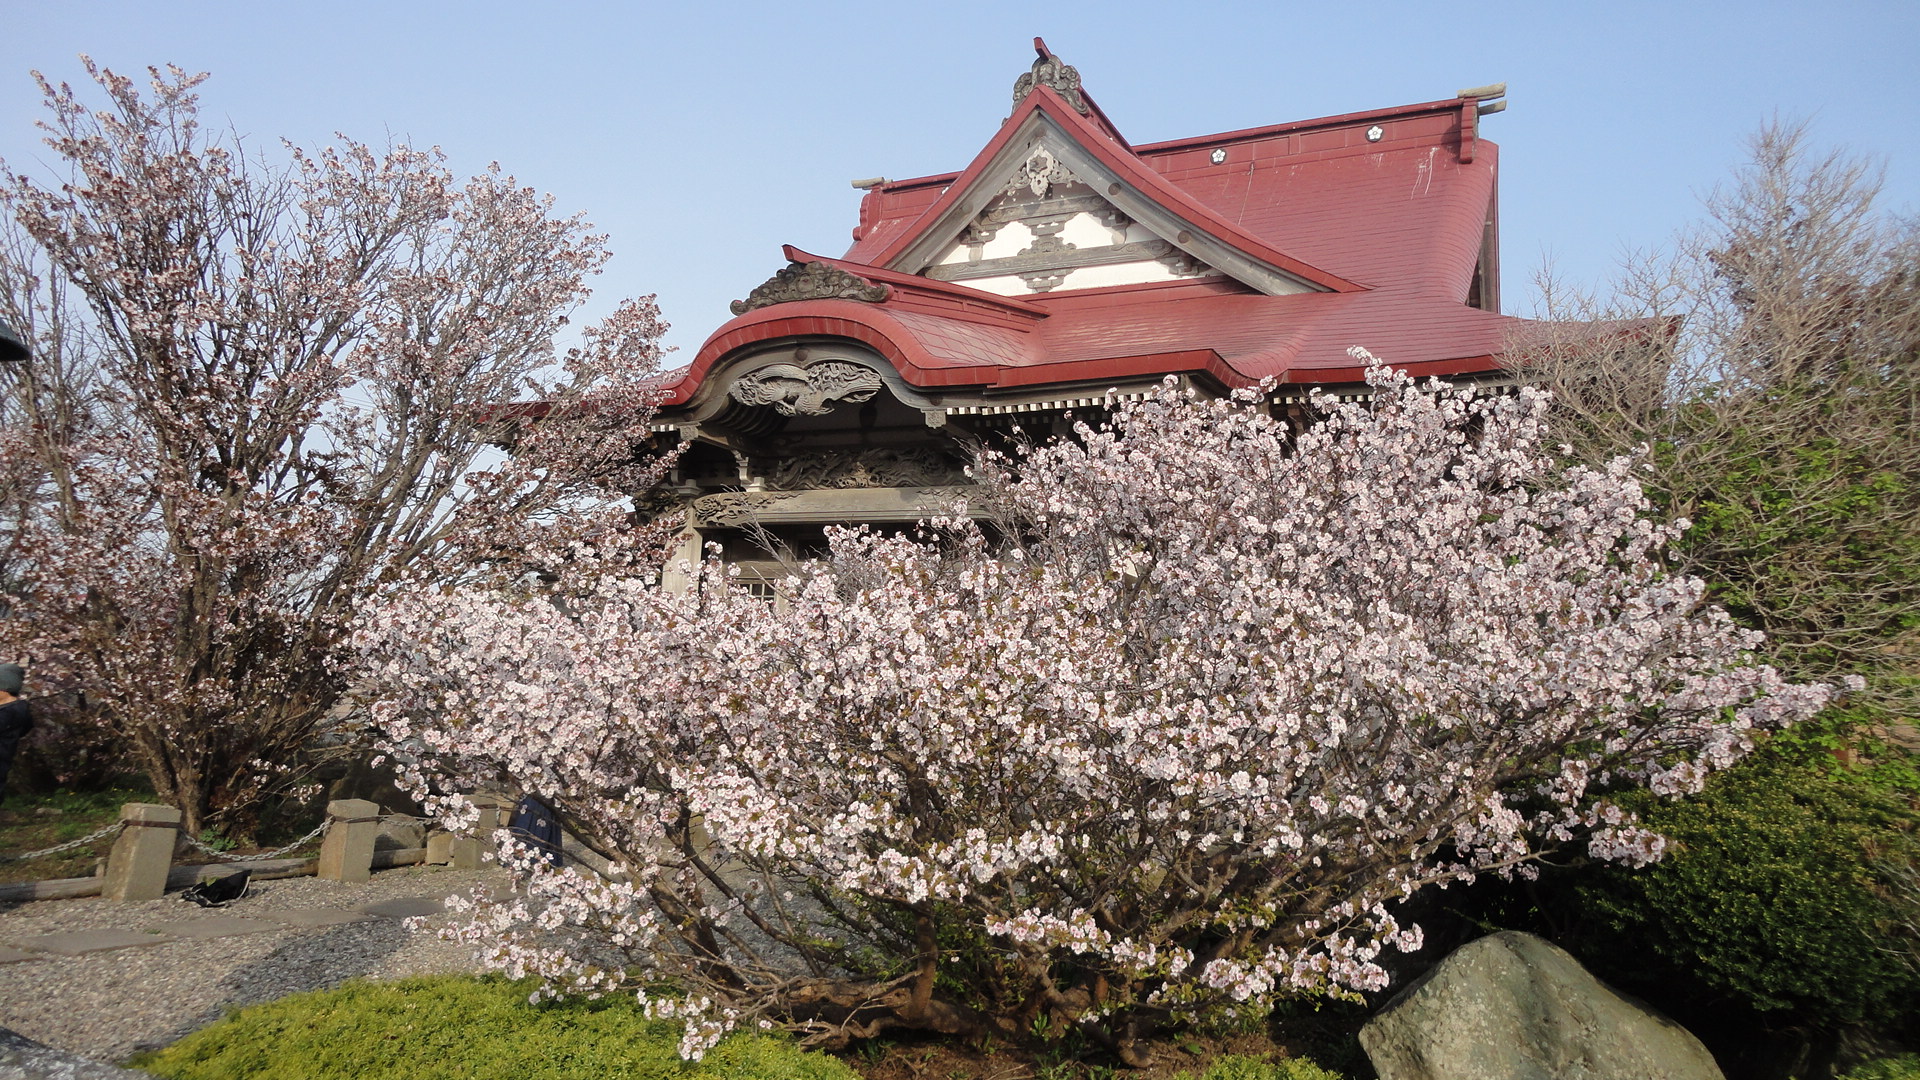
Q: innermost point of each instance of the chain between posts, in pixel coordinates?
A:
(206, 849)
(98, 834)
(283, 849)
(103, 833)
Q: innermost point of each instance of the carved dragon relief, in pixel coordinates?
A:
(871, 467)
(812, 281)
(730, 508)
(793, 390)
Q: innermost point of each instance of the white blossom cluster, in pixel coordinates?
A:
(1168, 737)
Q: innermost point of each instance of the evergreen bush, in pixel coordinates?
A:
(448, 1027)
(1243, 1067)
(1774, 895)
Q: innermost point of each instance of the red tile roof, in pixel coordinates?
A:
(1391, 228)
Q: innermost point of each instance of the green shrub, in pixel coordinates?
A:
(1772, 895)
(1904, 1067)
(1242, 1067)
(1785, 914)
(451, 1027)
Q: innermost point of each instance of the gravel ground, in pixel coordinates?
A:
(107, 1005)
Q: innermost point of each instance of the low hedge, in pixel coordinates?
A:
(1242, 1067)
(460, 1028)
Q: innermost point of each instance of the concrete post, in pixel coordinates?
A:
(465, 851)
(439, 848)
(143, 853)
(346, 854)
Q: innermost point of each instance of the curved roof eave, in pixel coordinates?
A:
(868, 324)
(1483, 364)
(877, 329)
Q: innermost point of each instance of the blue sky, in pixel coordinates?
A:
(703, 136)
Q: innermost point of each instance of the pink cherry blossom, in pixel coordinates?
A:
(1159, 724)
(265, 391)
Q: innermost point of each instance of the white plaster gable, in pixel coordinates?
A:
(1047, 216)
(1084, 248)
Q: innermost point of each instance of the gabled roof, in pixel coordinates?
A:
(1374, 229)
(1044, 119)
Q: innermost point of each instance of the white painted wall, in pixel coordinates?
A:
(1082, 231)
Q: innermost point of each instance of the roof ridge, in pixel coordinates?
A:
(948, 289)
(1191, 142)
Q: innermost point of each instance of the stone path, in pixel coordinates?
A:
(18, 950)
(23, 1059)
(104, 978)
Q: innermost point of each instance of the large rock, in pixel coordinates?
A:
(1512, 1006)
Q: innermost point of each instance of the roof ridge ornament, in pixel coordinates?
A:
(1050, 71)
(816, 280)
(1040, 173)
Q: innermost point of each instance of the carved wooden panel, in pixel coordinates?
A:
(793, 390)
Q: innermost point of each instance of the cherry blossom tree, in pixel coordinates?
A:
(1161, 726)
(262, 393)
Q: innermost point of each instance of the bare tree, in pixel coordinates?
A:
(262, 393)
(1771, 363)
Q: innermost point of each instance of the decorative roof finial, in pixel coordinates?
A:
(1049, 71)
(811, 281)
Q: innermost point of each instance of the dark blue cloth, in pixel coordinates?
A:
(533, 823)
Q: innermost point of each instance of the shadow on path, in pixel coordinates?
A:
(314, 960)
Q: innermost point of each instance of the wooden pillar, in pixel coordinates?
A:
(143, 853)
(686, 549)
(346, 854)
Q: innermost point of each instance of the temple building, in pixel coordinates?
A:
(1064, 269)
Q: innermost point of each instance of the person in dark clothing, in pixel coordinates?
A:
(16, 719)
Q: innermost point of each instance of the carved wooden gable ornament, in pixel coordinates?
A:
(812, 390)
(1048, 228)
(1058, 202)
